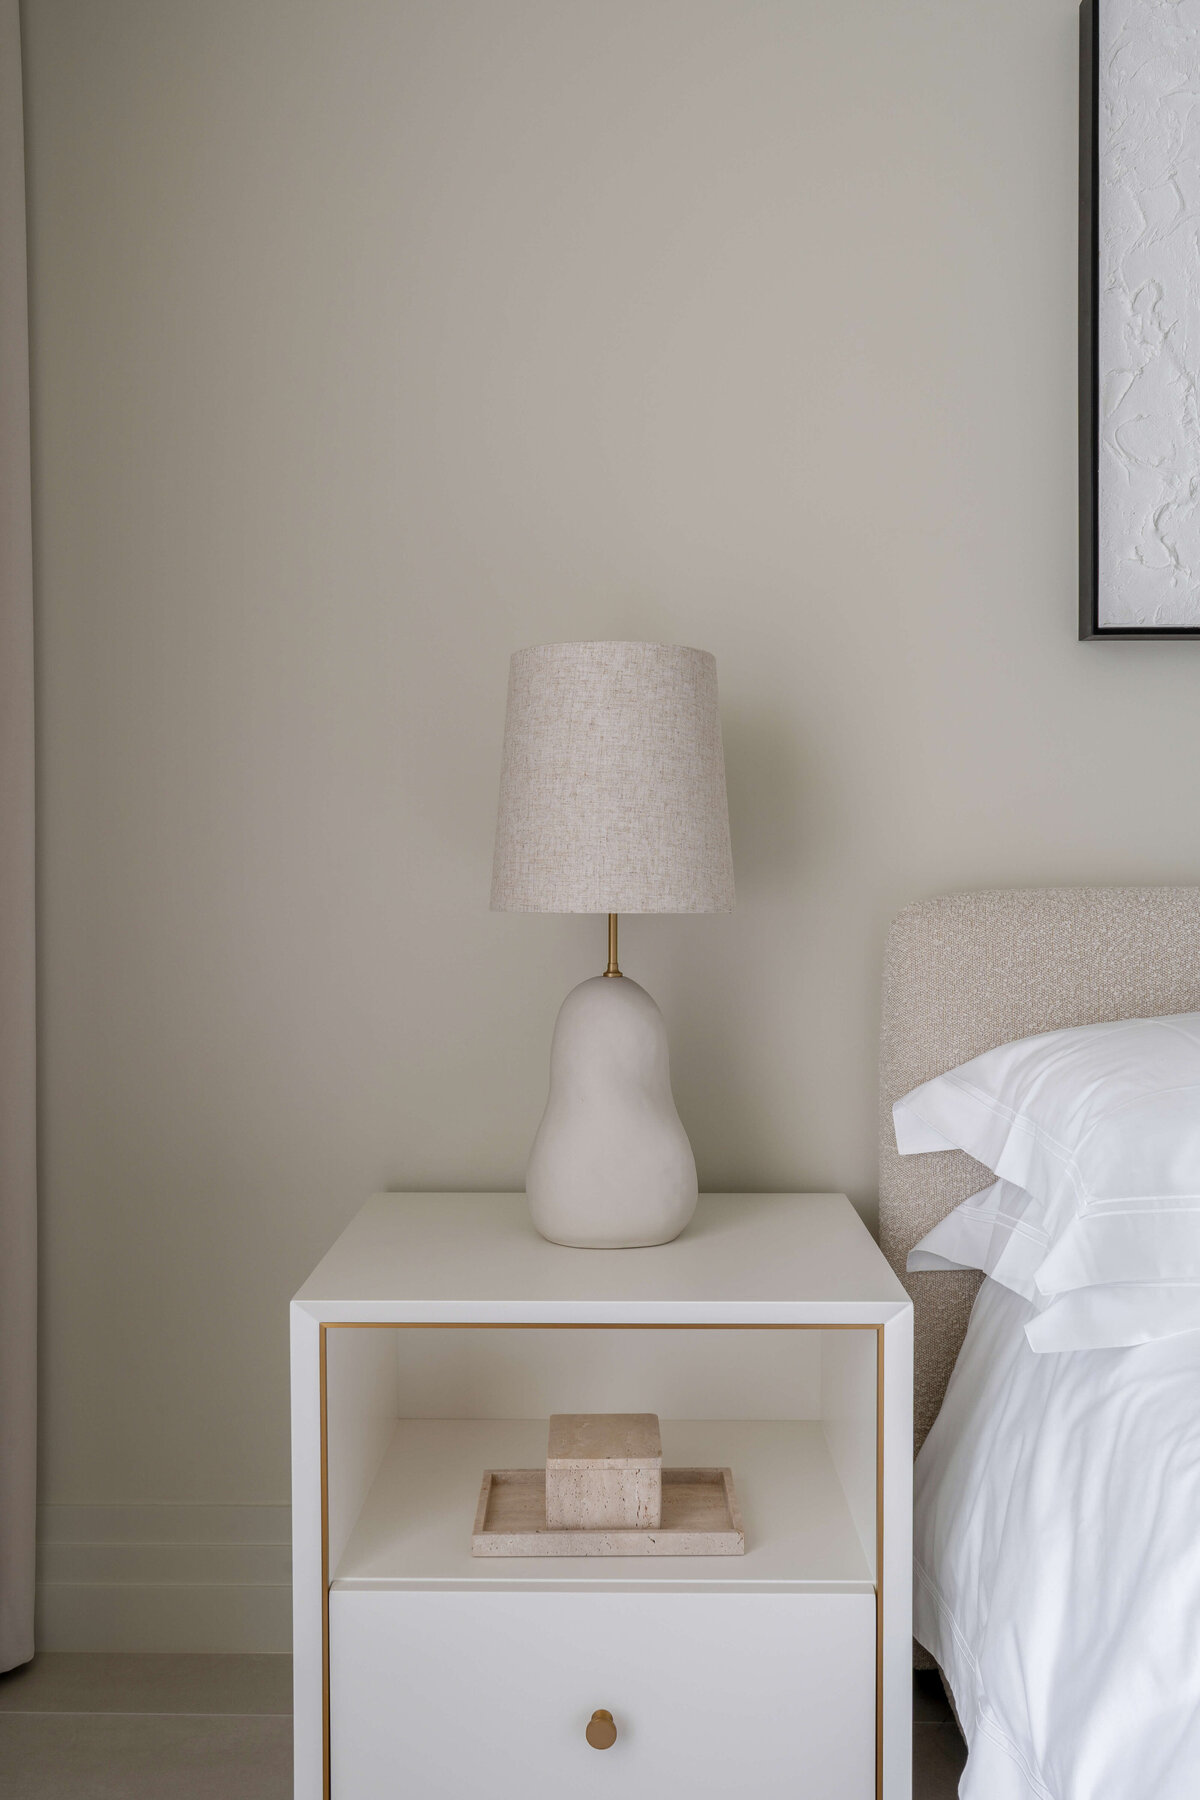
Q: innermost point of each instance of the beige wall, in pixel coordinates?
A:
(374, 338)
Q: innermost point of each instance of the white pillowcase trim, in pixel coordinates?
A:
(1095, 1135)
(1116, 1316)
(988, 1232)
(1143, 1243)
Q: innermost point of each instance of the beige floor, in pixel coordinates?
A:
(220, 1728)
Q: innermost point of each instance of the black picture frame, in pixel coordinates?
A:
(1090, 628)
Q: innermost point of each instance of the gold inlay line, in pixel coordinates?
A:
(590, 1325)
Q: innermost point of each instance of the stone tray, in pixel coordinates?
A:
(700, 1517)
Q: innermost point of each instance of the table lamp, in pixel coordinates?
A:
(612, 800)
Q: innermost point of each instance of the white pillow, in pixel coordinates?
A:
(995, 1231)
(1115, 1315)
(1101, 1127)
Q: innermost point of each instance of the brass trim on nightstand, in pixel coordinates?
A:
(327, 1773)
(327, 1325)
(879, 1418)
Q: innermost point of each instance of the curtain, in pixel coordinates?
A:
(18, 1205)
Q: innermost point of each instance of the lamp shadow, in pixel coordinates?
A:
(771, 799)
(720, 978)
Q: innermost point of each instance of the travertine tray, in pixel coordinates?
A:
(700, 1517)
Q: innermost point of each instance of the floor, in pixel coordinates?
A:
(76, 1727)
(938, 1751)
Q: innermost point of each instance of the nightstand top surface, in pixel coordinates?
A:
(476, 1258)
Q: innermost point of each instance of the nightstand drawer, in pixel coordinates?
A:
(437, 1694)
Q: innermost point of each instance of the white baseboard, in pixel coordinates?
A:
(165, 1578)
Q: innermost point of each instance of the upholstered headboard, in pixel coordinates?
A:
(968, 971)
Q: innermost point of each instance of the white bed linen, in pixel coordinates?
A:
(1058, 1562)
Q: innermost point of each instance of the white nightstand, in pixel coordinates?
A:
(433, 1342)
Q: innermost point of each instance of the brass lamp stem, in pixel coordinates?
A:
(612, 968)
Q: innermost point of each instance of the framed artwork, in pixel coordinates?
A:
(1139, 319)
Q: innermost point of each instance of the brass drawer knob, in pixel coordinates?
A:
(601, 1733)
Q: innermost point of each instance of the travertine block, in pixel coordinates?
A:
(604, 1471)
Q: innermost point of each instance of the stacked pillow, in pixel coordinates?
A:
(1094, 1135)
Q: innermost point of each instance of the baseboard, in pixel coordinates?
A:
(164, 1578)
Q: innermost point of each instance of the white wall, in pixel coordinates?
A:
(374, 338)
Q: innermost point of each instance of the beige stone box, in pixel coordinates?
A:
(604, 1470)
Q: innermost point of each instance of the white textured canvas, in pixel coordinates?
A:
(1149, 312)
(612, 788)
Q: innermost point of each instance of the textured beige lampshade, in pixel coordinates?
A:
(612, 789)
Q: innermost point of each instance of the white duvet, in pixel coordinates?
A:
(1058, 1562)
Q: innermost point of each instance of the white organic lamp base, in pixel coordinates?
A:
(611, 1167)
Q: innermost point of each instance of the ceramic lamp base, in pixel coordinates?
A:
(611, 1167)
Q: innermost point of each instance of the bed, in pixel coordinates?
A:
(1058, 1561)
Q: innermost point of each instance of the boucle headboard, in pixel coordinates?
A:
(965, 972)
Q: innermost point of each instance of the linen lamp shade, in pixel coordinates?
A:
(612, 786)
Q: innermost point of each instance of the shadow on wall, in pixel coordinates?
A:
(770, 796)
(702, 970)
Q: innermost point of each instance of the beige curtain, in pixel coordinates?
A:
(18, 1203)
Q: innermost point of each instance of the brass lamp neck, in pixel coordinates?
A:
(612, 968)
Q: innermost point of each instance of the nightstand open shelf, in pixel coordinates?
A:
(415, 1523)
(434, 1341)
